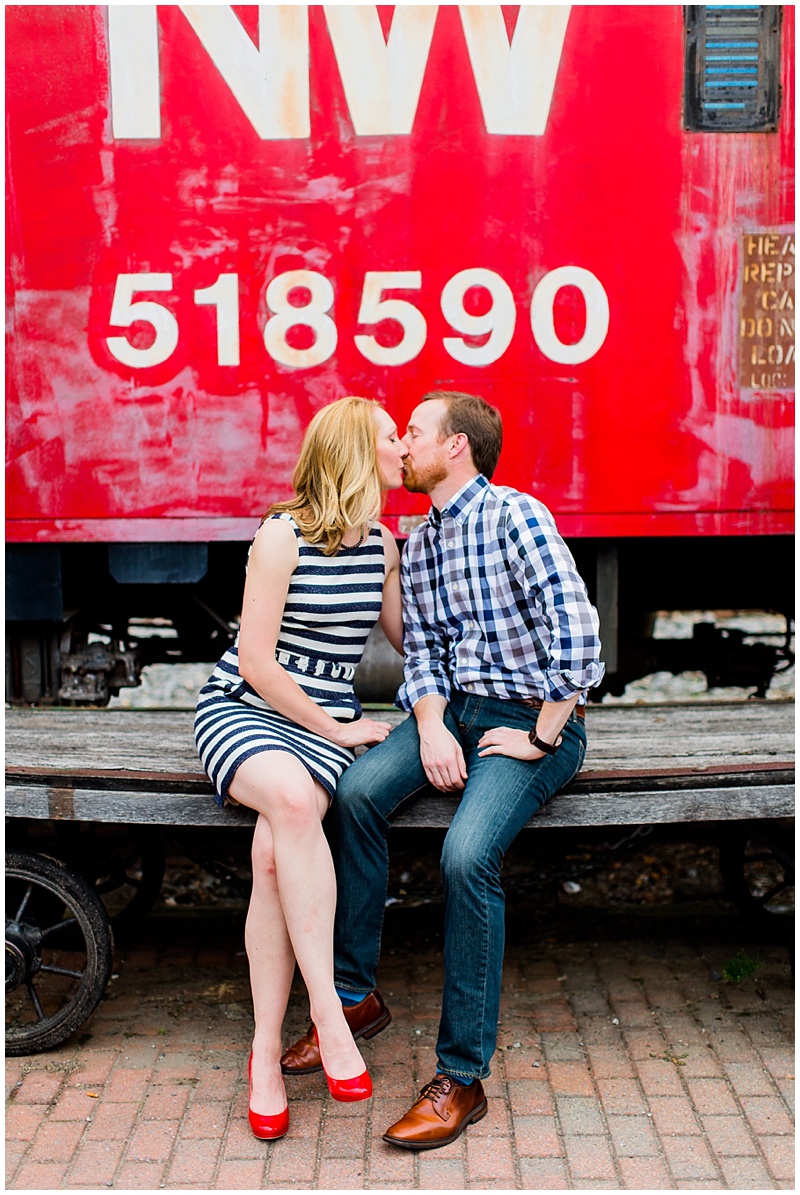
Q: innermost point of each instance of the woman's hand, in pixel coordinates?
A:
(360, 733)
(503, 740)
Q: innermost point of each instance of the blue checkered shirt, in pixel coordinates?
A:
(493, 603)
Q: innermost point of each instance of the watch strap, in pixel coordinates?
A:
(540, 744)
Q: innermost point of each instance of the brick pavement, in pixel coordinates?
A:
(622, 1064)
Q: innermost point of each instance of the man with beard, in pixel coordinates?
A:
(501, 645)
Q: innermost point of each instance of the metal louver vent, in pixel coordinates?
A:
(732, 67)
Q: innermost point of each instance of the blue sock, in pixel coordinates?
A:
(462, 1082)
(349, 998)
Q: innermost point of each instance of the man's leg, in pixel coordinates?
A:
(500, 796)
(369, 791)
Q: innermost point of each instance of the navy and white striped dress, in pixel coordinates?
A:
(332, 605)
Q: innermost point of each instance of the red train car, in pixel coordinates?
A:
(222, 217)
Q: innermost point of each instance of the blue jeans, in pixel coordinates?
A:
(501, 794)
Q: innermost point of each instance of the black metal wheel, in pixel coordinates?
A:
(59, 951)
(757, 864)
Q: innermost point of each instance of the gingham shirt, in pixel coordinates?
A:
(493, 603)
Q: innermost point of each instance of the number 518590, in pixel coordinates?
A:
(497, 324)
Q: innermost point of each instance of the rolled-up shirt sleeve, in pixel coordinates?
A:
(562, 615)
(424, 647)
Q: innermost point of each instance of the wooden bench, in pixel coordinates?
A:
(645, 765)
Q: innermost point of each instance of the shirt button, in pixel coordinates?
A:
(455, 586)
(470, 687)
(451, 543)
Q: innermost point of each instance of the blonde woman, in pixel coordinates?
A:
(278, 720)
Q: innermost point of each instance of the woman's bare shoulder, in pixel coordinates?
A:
(275, 535)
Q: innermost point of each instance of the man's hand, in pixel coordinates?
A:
(503, 740)
(442, 757)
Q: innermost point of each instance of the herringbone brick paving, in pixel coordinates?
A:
(623, 1063)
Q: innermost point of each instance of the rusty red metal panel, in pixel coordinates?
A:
(767, 328)
(646, 431)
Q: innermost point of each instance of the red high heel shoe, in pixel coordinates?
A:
(266, 1128)
(347, 1090)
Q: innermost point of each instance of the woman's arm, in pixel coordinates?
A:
(391, 616)
(273, 559)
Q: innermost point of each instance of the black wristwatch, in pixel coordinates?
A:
(540, 744)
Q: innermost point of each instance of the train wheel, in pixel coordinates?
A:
(59, 951)
(757, 864)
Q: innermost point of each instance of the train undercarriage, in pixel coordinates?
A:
(83, 620)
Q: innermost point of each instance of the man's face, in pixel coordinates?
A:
(427, 462)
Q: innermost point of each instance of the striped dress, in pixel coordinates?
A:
(332, 605)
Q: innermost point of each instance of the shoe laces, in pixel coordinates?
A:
(440, 1085)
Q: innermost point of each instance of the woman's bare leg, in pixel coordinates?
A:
(293, 803)
(271, 959)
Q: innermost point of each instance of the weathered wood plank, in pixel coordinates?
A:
(620, 809)
(429, 810)
(130, 807)
(621, 739)
(644, 764)
(718, 776)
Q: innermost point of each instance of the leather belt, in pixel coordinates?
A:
(535, 703)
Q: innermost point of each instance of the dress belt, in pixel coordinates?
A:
(315, 667)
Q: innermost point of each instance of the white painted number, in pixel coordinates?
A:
(374, 309)
(224, 295)
(497, 324)
(312, 315)
(498, 321)
(597, 315)
(124, 313)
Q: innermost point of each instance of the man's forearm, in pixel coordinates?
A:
(430, 709)
(553, 718)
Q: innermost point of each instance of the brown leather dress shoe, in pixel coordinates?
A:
(365, 1020)
(442, 1112)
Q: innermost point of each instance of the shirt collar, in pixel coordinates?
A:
(461, 503)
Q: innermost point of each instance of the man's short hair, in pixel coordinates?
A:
(477, 420)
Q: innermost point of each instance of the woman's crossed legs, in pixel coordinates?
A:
(290, 918)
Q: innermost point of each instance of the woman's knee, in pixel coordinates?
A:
(279, 788)
(294, 807)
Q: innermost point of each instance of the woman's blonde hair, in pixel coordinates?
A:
(337, 480)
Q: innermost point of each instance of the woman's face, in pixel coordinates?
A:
(391, 451)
